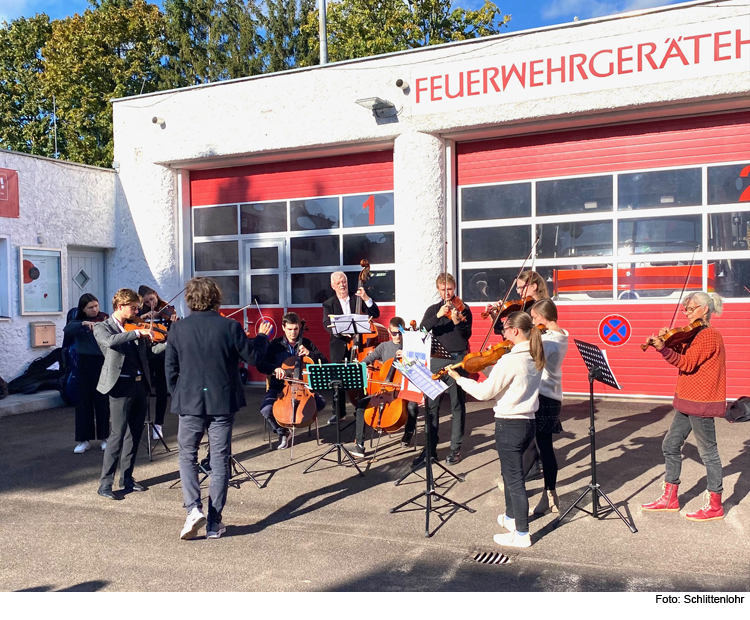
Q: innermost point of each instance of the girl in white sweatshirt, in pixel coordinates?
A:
(514, 381)
(555, 340)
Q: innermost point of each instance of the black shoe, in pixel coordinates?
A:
(358, 450)
(453, 458)
(406, 439)
(334, 418)
(106, 491)
(133, 486)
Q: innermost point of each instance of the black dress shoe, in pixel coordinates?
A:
(453, 458)
(106, 492)
(420, 460)
(133, 486)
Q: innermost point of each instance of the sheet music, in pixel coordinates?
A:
(421, 377)
(348, 324)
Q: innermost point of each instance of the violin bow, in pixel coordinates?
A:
(507, 293)
(684, 288)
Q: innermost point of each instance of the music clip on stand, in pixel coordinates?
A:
(336, 377)
(599, 370)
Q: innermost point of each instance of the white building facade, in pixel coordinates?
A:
(622, 144)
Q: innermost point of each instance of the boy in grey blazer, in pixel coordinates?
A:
(125, 379)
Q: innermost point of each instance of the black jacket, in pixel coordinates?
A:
(202, 364)
(278, 351)
(338, 343)
(453, 337)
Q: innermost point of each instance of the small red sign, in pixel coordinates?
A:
(9, 193)
(615, 330)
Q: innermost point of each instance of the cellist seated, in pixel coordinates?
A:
(279, 349)
(384, 352)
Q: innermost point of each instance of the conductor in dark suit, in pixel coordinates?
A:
(202, 368)
(341, 303)
(125, 378)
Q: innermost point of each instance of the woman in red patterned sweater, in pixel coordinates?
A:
(700, 396)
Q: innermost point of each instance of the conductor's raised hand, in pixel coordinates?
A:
(265, 328)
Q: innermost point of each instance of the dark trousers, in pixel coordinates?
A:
(512, 437)
(128, 402)
(159, 386)
(362, 404)
(458, 404)
(189, 435)
(705, 437)
(92, 407)
(266, 409)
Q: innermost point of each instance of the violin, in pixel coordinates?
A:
(475, 362)
(136, 323)
(455, 303)
(296, 406)
(509, 307)
(386, 412)
(678, 336)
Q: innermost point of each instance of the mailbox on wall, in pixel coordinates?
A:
(43, 334)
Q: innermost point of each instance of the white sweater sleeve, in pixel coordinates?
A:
(498, 381)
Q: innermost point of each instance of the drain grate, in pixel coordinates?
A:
(491, 557)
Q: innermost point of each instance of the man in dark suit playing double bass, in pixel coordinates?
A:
(202, 368)
(341, 304)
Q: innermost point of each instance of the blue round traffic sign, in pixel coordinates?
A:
(615, 330)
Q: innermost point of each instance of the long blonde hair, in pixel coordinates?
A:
(523, 322)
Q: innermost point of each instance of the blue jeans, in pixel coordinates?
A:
(189, 435)
(512, 437)
(705, 437)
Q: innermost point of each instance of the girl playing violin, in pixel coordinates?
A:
(154, 307)
(92, 408)
(515, 382)
(547, 416)
(700, 396)
(529, 286)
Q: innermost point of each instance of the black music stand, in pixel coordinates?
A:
(599, 370)
(150, 430)
(336, 377)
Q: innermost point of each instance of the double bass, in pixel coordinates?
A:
(361, 344)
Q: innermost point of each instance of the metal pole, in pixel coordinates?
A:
(54, 122)
(323, 34)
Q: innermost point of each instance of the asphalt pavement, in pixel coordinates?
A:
(332, 530)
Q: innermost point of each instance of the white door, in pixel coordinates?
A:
(265, 273)
(86, 275)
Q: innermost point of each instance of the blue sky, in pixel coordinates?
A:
(526, 13)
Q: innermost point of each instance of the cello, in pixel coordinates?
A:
(386, 412)
(295, 406)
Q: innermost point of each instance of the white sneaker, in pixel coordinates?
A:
(194, 522)
(157, 434)
(513, 539)
(82, 447)
(104, 445)
(506, 522)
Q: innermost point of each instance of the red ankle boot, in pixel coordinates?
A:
(668, 501)
(712, 509)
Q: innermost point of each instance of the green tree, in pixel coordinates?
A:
(113, 51)
(284, 45)
(360, 28)
(211, 40)
(25, 111)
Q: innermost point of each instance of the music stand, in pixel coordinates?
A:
(336, 377)
(150, 430)
(599, 370)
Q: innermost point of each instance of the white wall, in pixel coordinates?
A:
(68, 204)
(311, 112)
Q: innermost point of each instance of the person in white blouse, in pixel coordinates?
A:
(514, 381)
(555, 340)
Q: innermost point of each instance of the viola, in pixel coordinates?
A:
(296, 406)
(159, 331)
(678, 336)
(386, 412)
